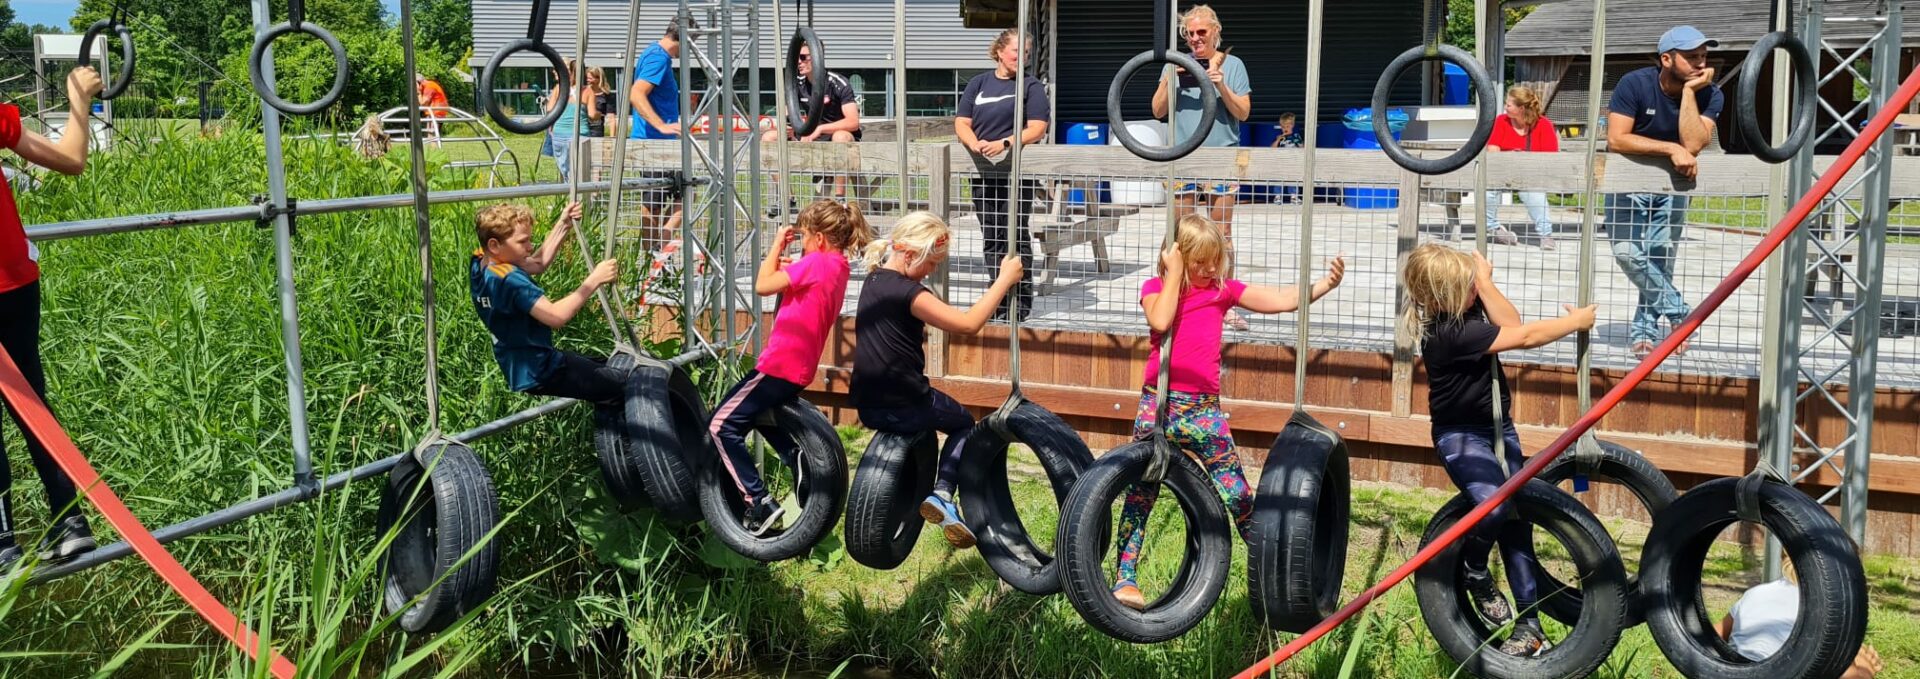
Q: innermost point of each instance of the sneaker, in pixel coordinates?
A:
(1546, 243)
(1685, 344)
(1129, 595)
(1235, 320)
(1487, 599)
(1527, 640)
(1641, 348)
(940, 510)
(70, 538)
(1505, 237)
(762, 516)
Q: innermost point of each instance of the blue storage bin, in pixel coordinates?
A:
(1456, 89)
(1362, 139)
(1084, 133)
(1369, 198)
(1333, 135)
(1263, 135)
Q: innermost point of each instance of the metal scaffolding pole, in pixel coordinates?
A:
(283, 261)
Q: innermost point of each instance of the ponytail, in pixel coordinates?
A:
(876, 253)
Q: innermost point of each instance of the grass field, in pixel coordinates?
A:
(163, 349)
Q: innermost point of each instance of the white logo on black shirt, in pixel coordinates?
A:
(982, 98)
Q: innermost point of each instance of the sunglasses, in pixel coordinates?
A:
(1198, 34)
(806, 57)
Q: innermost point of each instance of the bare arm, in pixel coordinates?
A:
(1162, 306)
(1265, 300)
(1695, 129)
(849, 123)
(69, 155)
(1500, 310)
(1035, 131)
(1542, 333)
(638, 97)
(1160, 96)
(963, 129)
(929, 308)
(1621, 139)
(1238, 105)
(555, 314)
(542, 258)
(770, 280)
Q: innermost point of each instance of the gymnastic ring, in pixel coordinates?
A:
(123, 77)
(1116, 120)
(493, 105)
(1802, 114)
(1483, 122)
(805, 123)
(256, 68)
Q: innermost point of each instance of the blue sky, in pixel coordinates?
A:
(59, 12)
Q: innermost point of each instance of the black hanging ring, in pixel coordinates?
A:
(1483, 124)
(493, 103)
(123, 77)
(1802, 115)
(1117, 123)
(256, 67)
(804, 124)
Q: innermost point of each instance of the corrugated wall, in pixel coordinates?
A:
(857, 33)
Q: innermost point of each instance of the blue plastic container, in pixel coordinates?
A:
(1369, 198)
(1084, 133)
(1456, 89)
(1362, 139)
(1263, 135)
(1333, 135)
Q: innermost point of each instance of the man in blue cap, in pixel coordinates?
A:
(1666, 110)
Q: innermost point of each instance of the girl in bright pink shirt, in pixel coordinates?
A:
(814, 289)
(1197, 267)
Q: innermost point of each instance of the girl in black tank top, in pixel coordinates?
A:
(890, 387)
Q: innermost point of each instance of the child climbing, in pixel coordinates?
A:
(1197, 269)
(1464, 322)
(814, 289)
(890, 386)
(522, 318)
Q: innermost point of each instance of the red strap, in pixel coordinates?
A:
(41, 426)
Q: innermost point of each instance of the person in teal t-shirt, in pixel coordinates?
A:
(521, 318)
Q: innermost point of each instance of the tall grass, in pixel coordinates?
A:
(164, 353)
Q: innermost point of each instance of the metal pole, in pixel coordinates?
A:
(1316, 11)
(1869, 267)
(1596, 71)
(624, 127)
(1793, 288)
(576, 154)
(900, 99)
(283, 261)
(422, 219)
(688, 309)
(1779, 304)
(755, 208)
(725, 111)
(1017, 236)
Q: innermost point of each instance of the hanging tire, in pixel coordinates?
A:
(823, 461)
(666, 424)
(883, 517)
(986, 495)
(1646, 482)
(1833, 585)
(1298, 555)
(441, 563)
(1086, 531)
(1441, 589)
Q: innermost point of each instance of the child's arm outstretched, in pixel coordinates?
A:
(1500, 310)
(937, 313)
(1160, 306)
(542, 258)
(771, 280)
(1265, 300)
(1542, 333)
(555, 314)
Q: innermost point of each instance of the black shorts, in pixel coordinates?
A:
(660, 195)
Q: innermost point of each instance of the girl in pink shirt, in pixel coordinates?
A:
(814, 289)
(1197, 268)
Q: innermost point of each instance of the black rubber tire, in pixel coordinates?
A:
(265, 90)
(484, 89)
(1648, 484)
(986, 496)
(1746, 97)
(805, 122)
(1833, 585)
(1450, 616)
(449, 508)
(122, 77)
(883, 507)
(824, 462)
(611, 437)
(1483, 85)
(658, 465)
(1117, 120)
(1086, 531)
(1298, 556)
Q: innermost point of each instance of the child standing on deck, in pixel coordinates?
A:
(890, 386)
(1204, 291)
(1464, 322)
(522, 319)
(814, 289)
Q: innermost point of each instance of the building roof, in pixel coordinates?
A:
(1634, 26)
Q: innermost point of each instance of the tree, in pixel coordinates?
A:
(445, 25)
(1459, 30)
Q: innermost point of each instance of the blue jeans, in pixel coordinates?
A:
(562, 152)
(1645, 229)
(1536, 203)
(1467, 453)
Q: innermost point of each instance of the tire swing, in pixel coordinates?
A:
(1448, 611)
(1297, 557)
(883, 517)
(1608, 461)
(1086, 524)
(822, 481)
(1833, 589)
(439, 505)
(986, 493)
(643, 443)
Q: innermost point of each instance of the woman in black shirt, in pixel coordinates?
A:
(984, 123)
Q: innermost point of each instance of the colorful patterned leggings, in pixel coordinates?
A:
(1198, 426)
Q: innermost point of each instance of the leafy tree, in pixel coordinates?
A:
(445, 25)
(1459, 28)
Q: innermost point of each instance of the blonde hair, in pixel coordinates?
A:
(497, 222)
(1200, 243)
(1000, 42)
(1287, 117)
(840, 223)
(1205, 15)
(1438, 282)
(1529, 102)
(919, 232)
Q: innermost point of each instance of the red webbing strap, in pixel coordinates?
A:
(1779, 233)
(41, 426)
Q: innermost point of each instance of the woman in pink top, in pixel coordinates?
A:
(815, 287)
(1195, 422)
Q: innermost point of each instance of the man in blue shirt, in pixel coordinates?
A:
(1666, 110)
(655, 95)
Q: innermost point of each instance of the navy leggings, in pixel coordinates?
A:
(585, 379)
(1467, 452)
(756, 394)
(944, 415)
(20, 335)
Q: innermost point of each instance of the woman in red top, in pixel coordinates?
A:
(20, 318)
(1522, 128)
